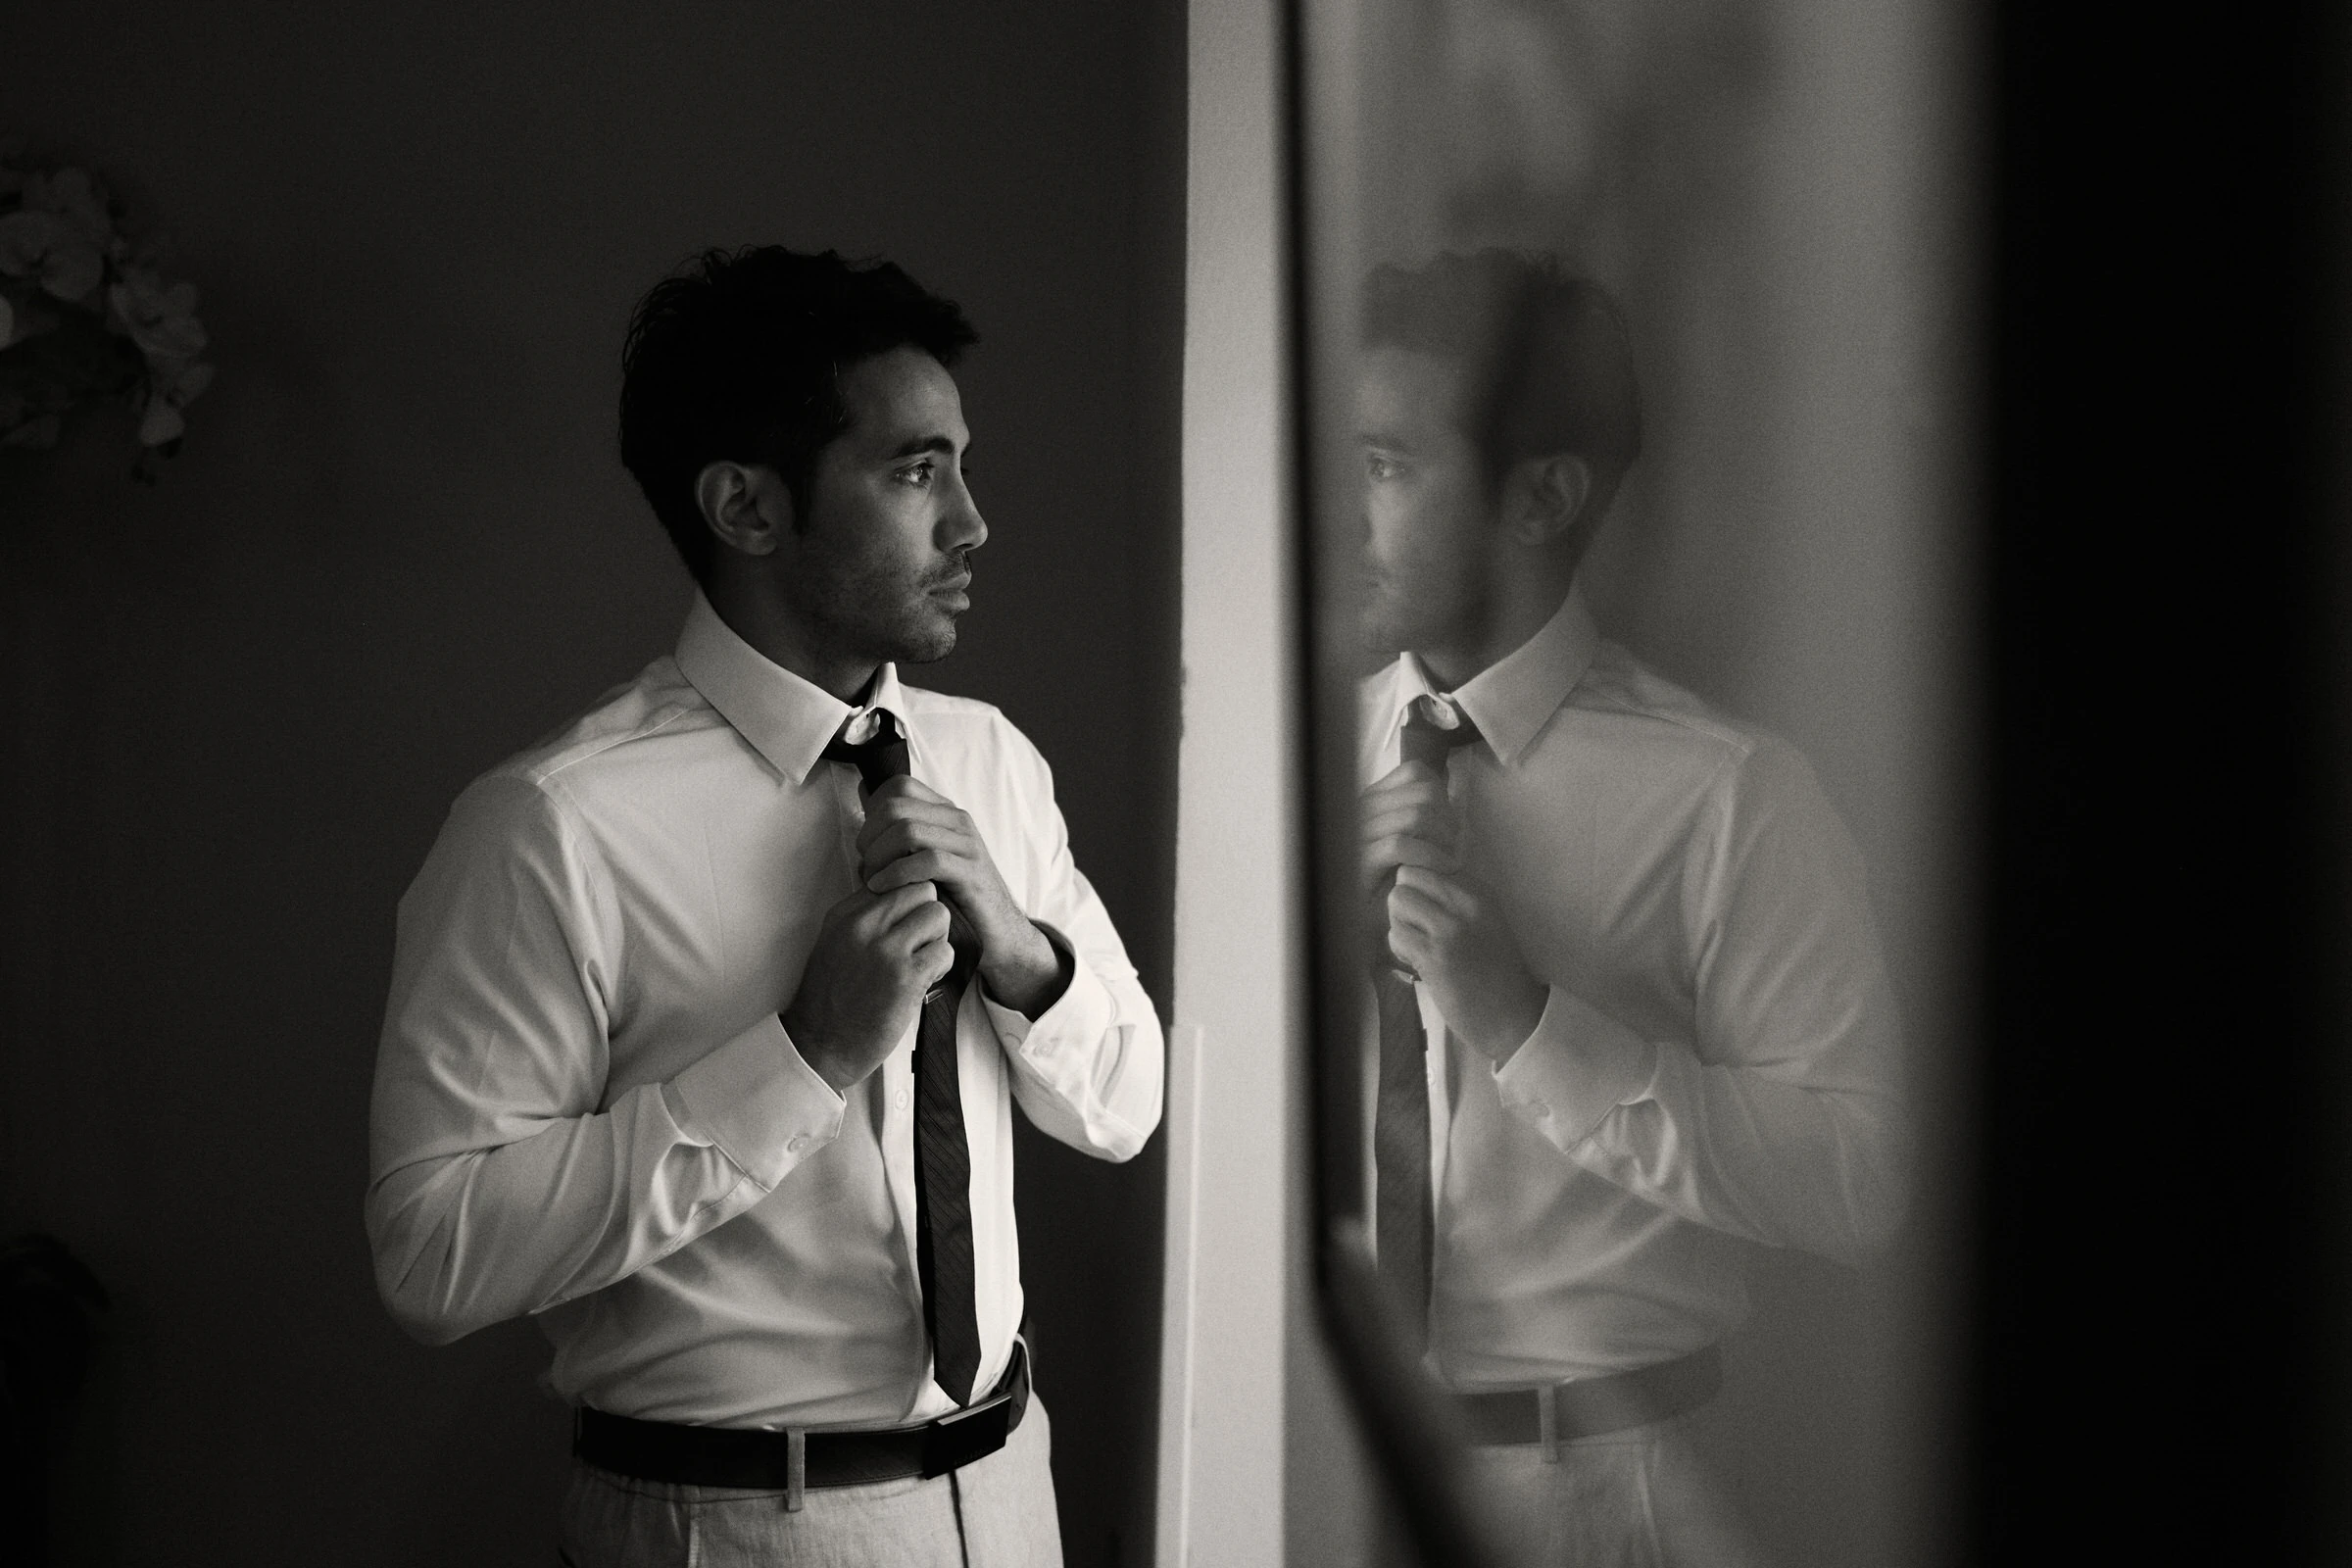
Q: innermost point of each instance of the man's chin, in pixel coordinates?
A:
(926, 644)
(1383, 635)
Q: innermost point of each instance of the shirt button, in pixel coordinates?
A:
(1543, 1110)
(901, 1100)
(798, 1142)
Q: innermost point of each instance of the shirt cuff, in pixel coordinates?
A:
(1081, 1015)
(1579, 1065)
(759, 1102)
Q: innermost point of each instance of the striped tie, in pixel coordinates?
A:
(943, 1162)
(1402, 1220)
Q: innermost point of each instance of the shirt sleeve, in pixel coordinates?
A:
(1781, 1121)
(1089, 1069)
(501, 1184)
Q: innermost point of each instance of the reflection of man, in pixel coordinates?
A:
(1652, 1028)
(708, 1013)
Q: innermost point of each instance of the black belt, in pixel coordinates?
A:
(792, 1460)
(1590, 1406)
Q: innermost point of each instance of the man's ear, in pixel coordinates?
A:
(747, 505)
(1544, 498)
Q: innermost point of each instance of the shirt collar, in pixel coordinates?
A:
(788, 720)
(1512, 699)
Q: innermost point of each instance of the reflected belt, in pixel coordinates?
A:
(792, 1461)
(1590, 1406)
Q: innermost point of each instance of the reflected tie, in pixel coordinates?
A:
(1402, 1221)
(943, 1165)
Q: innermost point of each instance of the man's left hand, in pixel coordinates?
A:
(913, 833)
(1454, 937)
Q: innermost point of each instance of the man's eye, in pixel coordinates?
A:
(1376, 466)
(918, 474)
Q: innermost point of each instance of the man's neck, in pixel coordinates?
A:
(780, 637)
(1523, 593)
(1456, 661)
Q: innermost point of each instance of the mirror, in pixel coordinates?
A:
(1630, 447)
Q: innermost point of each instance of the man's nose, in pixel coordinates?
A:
(962, 527)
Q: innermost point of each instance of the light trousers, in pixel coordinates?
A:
(995, 1513)
(1636, 1499)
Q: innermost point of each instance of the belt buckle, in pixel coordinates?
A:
(955, 1441)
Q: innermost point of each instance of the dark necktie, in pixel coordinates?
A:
(943, 1162)
(1404, 1224)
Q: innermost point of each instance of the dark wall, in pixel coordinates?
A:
(398, 547)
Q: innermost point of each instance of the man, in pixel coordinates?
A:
(1632, 1019)
(707, 1014)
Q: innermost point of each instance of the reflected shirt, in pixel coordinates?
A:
(587, 1109)
(1715, 1065)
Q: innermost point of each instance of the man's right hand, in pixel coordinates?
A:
(874, 959)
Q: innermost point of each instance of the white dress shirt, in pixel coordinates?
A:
(587, 1109)
(1715, 1064)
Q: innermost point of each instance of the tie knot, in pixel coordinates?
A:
(879, 755)
(1433, 727)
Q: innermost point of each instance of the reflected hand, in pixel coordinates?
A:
(1449, 932)
(1407, 820)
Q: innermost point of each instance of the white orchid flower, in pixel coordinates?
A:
(160, 321)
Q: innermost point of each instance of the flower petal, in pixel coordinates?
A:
(192, 381)
(76, 197)
(25, 239)
(72, 268)
(162, 424)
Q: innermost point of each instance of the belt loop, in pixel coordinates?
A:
(1547, 1421)
(795, 1468)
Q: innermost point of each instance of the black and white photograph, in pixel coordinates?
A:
(1175, 784)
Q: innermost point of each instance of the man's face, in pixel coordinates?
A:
(879, 563)
(1430, 514)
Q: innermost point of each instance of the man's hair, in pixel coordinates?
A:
(1549, 370)
(738, 356)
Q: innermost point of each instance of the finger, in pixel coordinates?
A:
(1411, 945)
(1429, 797)
(1432, 817)
(880, 843)
(859, 902)
(906, 788)
(1399, 851)
(1414, 908)
(1409, 797)
(1439, 827)
(923, 865)
(932, 960)
(1432, 882)
(888, 909)
(884, 813)
(925, 922)
(1407, 773)
(1414, 778)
